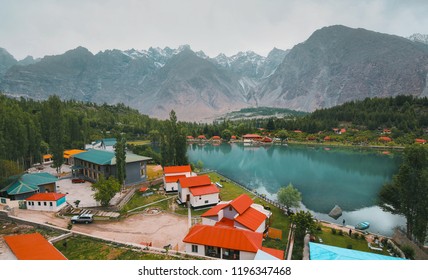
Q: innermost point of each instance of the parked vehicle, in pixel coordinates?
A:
(77, 181)
(82, 218)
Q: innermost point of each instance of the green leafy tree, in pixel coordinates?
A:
(8, 168)
(105, 189)
(226, 134)
(282, 134)
(120, 153)
(304, 223)
(289, 196)
(407, 194)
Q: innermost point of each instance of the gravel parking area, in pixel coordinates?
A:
(79, 191)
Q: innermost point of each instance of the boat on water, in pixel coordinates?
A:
(362, 225)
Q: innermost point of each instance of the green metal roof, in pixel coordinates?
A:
(132, 158)
(107, 158)
(326, 252)
(109, 141)
(96, 156)
(29, 183)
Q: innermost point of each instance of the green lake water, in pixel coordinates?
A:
(348, 177)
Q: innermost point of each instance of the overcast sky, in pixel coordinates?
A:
(47, 27)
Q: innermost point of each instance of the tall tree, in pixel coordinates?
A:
(289, 197)
(120, 153)
(173, 143)
(56, 130)
(407, 194)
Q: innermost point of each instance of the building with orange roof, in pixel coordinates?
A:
(48, 158)
(224, 242)
(216, 138)
(32, 246)
(420, 141)
(69, 155)
(173, 173)
(253, 137)
(46, 202)
(198, 191)
(202, 137)
(240, 213)
(384, 139)
(190, 138)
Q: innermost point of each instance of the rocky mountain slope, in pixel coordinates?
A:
(154, 81)
(334, 65)
(338, 64)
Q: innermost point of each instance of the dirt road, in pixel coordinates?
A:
(160, 229)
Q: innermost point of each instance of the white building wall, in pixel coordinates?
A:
(201, 249)
(7, 202)
(246, 255)
(229, 213)
(210, 221)
(169, 187)
(182, 193)
(202, 200)
(43, 207)
(187, 174)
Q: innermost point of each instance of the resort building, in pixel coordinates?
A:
(94, 163)
(106, 144)
(47, 158)
(46, 202)
(251, 137)
(202, 138)
(198, 191)
(420, 141)
(26, 185)
(227, 243)
(32, 246)
(69, 155)
(173, 173)
(239, 213)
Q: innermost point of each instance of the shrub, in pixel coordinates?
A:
(356, 235)
(69, 226)
(333, 230)
(340, 232)
(408, 252)
(349, 246)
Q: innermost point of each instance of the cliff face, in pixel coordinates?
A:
(339, 64)
(334, 65)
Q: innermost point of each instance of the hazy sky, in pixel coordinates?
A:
(46, 27)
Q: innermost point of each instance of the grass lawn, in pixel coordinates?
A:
(345, 241)
(154, 172)
(138, 200)
(139, 142)
(85, 248)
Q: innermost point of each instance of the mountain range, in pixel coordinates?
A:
(334, 65)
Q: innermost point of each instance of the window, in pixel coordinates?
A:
(50, 204)
(44, 203)
(39, 203)
(194, 248)
(200, 197)
(206, 201)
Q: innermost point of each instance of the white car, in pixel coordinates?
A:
(82, 218)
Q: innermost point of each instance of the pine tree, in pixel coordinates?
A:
(120, 153)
